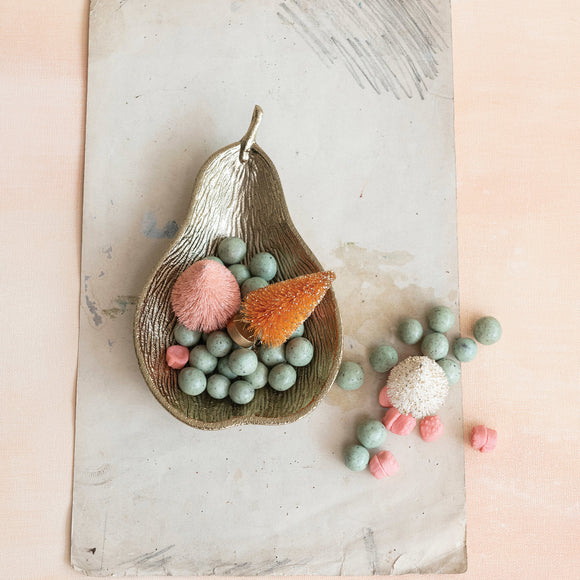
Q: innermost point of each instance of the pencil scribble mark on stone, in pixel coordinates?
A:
(389, 45)
(278, 566)
(154, 561)
(371, 549)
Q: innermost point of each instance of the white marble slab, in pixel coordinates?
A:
(366, 159)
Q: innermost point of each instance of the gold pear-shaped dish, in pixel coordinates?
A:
(237, 193)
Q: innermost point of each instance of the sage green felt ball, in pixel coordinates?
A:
(219, 343)
(356, 457)
(383, 358)
(232, 250)
(241, 392)
(218, 386)
(202, 359)
(282, 377)
(435, 345)
(298, 332)
(263, 265)
(243, 361)
(350, 376)
(451, 369)
(487, 330)
(252, 284)
(299, 351)
(464, 349)
(410, 331)
(215, 259)
(259, 378)
(272, 355)
(240, 272)
(371, 433)
(186, 337)
(440, 319)
(191, 381)
(223, 368)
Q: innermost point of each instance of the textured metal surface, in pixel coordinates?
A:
(237, 193)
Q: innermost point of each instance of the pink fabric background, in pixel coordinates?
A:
(517, 84)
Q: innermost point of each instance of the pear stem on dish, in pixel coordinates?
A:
(250, 137)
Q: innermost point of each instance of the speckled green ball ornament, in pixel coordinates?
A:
(271, 356)
(410, 331)
(356, 457)
(232, 250)
(451, 369)
(464, 349)
(243, 361)
(252, 284)
(282, 377)
(223, 368)
(371, 433)
(298, 332)
(263, 265)
(299, 351)
(241, 392)
(259, 378)
(202, 359)
(435, 345)
(219, 343)
(487, 330)
(186, 337)
(191, 381)
(440, 319)
(383, 358)
(218, 386)
(350, 376)
(241, 273)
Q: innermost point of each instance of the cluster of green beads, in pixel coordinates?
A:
(435, 345)
(220, 367)
(370, 434)
(351, 376)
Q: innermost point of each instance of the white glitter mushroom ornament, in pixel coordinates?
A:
(417, 386)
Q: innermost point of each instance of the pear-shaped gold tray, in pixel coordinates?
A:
(237, 193)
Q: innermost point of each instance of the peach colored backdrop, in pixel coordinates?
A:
(517, 87)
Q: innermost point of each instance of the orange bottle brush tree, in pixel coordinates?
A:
(273, 313)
